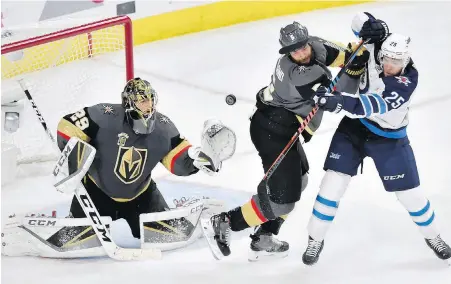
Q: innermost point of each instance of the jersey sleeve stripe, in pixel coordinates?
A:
(366, 105)
(381, 103)
(67, 130)
(169, 160)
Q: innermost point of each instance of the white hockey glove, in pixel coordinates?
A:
(218, 143)
(66, 183)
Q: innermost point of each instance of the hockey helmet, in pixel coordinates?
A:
(136, 92)
(292, 37)
(395, 50)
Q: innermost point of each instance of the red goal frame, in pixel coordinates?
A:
(83, 29)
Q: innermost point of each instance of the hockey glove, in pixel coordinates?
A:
(332, 102)
(202, 161)
(374, 30)
(357, 66)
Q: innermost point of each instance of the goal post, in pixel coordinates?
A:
(65, 70)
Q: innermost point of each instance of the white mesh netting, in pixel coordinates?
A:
(62, 76)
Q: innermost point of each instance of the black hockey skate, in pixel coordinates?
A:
(311, 254)
(265, 245)
(440, 248)
(217, 233)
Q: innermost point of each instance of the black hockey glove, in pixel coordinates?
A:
(374, 30)
(332, 102)
(357, 66)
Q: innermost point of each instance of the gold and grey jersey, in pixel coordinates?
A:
(124, 160)
(291, 83)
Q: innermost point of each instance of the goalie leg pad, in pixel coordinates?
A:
(51, 237)
(172, 229)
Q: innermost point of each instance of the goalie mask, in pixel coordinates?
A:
(139, 100)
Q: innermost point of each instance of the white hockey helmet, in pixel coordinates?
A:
(395, 49)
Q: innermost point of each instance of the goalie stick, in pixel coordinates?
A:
(103, 234)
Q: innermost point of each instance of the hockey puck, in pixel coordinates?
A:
(230, 100)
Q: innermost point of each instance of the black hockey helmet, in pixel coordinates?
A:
(138, 90)
(292, 37)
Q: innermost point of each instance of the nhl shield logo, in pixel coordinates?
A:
(130, 163)
(122, 139)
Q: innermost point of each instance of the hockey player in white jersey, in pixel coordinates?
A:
(374, 126)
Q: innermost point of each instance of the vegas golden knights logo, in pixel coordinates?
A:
(130, 163)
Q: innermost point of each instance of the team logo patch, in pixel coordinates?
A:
(108, 109)
(403, 80)
(130, 163)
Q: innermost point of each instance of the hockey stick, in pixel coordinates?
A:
(103, 234)
(263, 185)
(36, 110)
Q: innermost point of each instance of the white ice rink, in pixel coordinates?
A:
(372, 240)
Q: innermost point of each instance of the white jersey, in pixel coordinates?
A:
(382, 103)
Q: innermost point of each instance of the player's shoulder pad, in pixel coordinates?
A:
(404, 84)
(164, 124)
(303, 74)
(104, 114)
(319, 50)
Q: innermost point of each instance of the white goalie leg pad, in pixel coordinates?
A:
(420, 210)
(218, 141)
(51, 237)
(332, 188)
(172, 229)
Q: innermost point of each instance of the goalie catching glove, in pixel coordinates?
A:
(218, 143)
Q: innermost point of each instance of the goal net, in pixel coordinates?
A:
(64, 71)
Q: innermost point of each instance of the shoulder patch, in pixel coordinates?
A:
(403, 80)
(108, 109)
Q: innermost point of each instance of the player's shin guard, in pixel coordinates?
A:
(332, 188)
(422, 214)
(420, 210)
(51, 237)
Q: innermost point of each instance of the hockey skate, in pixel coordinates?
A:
(311, 254)
(217, 233)
(264, 245)
(440, 248)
